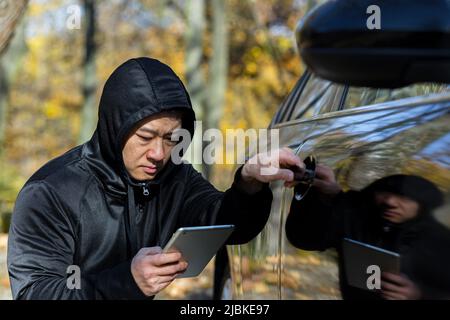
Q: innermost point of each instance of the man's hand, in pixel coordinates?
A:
(265, 167)
(153, 270)
(398, 287)
(325, 181)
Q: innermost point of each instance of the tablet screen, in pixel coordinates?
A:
(198, 245)
(359, 259)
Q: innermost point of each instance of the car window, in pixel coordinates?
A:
(361, 96)
(310, 97)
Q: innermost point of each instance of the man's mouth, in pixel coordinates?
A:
(150, 169)
(390, 213)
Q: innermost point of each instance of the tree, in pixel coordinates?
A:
(218, 69)
(195, 27)
(10, 63)
(11, 12)
(89, 109)
(207, 96)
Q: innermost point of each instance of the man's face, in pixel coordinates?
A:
(149, 145)
(396, 208)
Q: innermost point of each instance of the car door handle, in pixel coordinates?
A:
(306, 179)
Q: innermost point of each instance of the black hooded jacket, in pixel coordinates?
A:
(83, 209)
(318, 223)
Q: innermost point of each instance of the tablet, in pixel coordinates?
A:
(358, 256)
(198, 245)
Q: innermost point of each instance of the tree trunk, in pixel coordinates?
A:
(89, 109)
(195, 26)
(11, 12)
(10, 63)
(218, 69)
(4, 97)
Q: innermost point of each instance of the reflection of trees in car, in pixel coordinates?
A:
(307, 274)
(404, 151)
(362, 96)
(393, 213)
(375, 148)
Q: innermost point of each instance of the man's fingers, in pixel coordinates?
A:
(389, 287)
(165, 279)
(288, 158)
(280, 174)
(164, 258)
(284, 157)
(394, 278)
(281, 164)
(150, 250)
(321, 184)
(399, 285)
(173, 269)
(324, 172)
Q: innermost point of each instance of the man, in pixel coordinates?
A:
(107, 206)
(393, 213)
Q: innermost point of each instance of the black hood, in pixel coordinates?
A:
(424, 192)
(137, 89)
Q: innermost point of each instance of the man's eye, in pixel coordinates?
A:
(145, 138)
(171, 142)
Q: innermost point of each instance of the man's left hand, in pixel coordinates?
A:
(398, 287)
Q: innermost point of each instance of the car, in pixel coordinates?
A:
(372, 103)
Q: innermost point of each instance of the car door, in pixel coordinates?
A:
(362, 144)
(328, 121)
(256, 266)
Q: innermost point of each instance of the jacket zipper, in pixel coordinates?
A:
(145, 190)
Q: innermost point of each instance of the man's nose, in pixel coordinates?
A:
(390, 200)
(156, 151)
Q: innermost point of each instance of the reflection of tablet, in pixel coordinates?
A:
(198, 245)
(358, 256)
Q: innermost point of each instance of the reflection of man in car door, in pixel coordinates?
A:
(393, 213)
